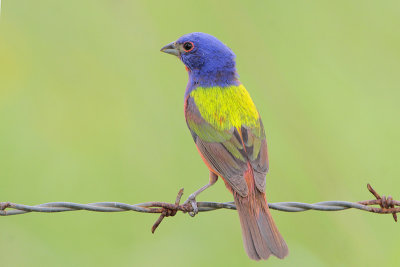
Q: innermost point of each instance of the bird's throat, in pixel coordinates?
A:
(223, 78)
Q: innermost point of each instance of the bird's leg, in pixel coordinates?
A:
(192, 197)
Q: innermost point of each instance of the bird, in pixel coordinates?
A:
(230, 137)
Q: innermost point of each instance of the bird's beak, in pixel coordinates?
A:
(170, 49)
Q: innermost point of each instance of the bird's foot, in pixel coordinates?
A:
(192, 200)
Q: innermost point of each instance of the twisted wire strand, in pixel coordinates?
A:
(203, 206)
(387, 205)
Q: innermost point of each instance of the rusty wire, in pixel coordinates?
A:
(387, 205)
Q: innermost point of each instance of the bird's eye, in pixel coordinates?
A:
(188, 46)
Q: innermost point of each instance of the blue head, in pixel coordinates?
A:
(208, 61)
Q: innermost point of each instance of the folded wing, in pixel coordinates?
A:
(228, 151)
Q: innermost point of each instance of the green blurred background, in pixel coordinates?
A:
(90, 110)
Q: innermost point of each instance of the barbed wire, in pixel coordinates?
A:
(387, 206)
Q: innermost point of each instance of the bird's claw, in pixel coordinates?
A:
(192, 200)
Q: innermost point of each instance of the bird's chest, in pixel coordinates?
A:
(225, 107)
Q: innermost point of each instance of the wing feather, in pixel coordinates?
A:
(228, 152)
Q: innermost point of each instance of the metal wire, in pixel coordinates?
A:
(203, 206)
(145, 207)
(387, 205)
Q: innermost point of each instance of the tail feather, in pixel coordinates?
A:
(261, 237)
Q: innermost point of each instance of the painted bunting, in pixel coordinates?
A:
(229, 135)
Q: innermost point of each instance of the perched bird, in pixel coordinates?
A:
(229, 135)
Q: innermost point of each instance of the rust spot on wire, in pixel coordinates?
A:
(4, 205)
(387, 204)
(170, 209)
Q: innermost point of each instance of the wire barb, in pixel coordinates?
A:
(387, 206)
(168, 210)
(385, 203)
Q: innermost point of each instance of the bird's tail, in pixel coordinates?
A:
(261, 237)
